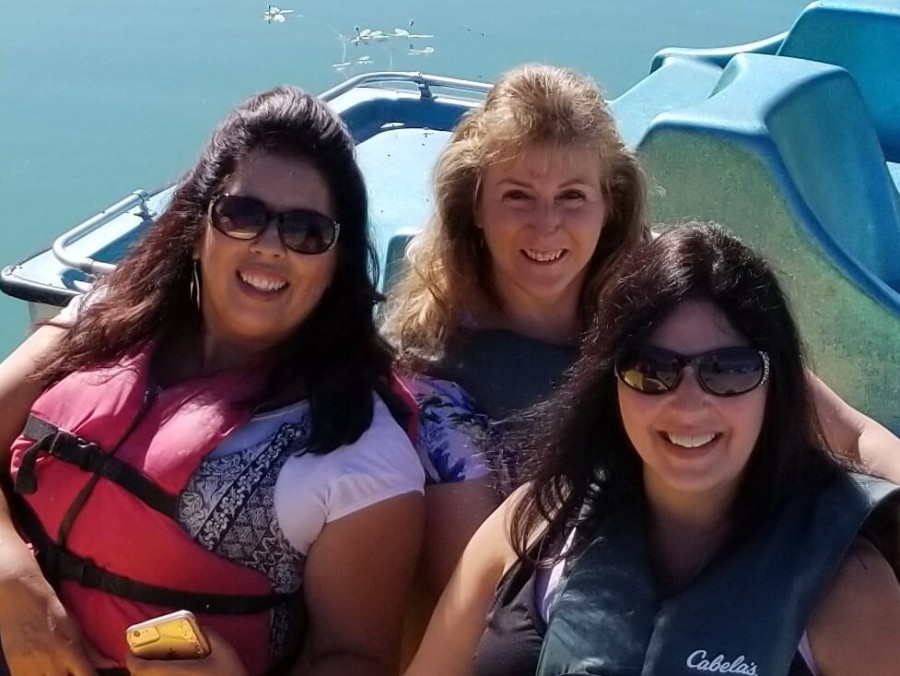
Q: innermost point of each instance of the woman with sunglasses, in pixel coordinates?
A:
(683, 513)
(209, 433)
(537, 200)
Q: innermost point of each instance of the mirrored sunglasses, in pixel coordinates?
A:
(725, 372)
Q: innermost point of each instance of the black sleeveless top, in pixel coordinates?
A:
(514, 632)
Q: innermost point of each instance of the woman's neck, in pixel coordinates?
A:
(685, 532)
(218, 354)
(558, 323)
(189, 354)
(554, 319)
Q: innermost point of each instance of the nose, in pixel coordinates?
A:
(688, 393)
(546, 216)
(269, 240)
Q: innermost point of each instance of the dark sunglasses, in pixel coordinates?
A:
(302, 230)
(725, 373)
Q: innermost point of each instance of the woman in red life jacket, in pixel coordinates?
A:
(208, 433)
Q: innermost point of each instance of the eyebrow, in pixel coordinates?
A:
(526, 184)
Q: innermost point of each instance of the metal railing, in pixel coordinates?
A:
(422, 81)
(137, 199)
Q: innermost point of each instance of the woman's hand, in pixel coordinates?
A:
(39, 637)
(222, 661)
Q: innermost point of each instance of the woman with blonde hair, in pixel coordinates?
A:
(538, 200)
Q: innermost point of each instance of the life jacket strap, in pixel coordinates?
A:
(88, 457)
(59, 564)
(401, 404)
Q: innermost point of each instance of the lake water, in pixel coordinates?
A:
(101, 97)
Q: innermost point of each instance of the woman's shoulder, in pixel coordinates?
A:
(381, 462)
(856, 622)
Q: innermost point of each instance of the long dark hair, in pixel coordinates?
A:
(579, 453)
(336, 353)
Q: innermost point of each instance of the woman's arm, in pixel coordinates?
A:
(356, 583)
(37, 634)
(17, 390)
(854, 434)
(453, 512)
(855, 627)
(459, 619)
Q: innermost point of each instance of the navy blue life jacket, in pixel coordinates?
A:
(745, 614)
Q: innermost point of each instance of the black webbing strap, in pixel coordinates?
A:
(59, 564)
(88, 457)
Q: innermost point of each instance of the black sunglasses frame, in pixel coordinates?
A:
(278, 217)
(696, 362)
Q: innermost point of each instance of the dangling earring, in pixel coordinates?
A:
(195, 284)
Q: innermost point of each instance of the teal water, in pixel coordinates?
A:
(101, 97)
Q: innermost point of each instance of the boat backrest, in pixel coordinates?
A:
(784, 153)
(862, 37)
(398, 165)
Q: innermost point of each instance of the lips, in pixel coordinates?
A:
(546, 256)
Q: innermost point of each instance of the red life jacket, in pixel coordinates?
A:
(99, 470)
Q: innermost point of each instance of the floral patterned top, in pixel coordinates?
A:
(466, 400)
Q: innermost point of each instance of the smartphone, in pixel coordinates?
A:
(175, 636)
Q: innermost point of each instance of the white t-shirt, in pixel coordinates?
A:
(312, 490)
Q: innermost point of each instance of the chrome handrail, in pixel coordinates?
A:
(423, 81)
(138, 198)
(84, 263)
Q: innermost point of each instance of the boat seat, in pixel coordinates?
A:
(864, 39)
(398, 164)
(784, 153)
(675, 83)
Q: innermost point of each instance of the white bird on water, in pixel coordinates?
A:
(276, 14)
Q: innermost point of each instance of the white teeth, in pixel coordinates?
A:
(262, 283)
(544, 256)
(690, 440)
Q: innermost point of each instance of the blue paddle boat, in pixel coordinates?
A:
(792, 142)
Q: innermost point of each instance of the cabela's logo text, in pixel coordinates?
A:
(698, 661)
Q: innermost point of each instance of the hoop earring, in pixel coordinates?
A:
(194, 289)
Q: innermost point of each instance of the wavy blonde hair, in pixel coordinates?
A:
(448, 272)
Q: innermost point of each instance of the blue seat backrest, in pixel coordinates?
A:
(864, 38)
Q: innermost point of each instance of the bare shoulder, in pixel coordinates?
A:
(858, 619)
(491, 543)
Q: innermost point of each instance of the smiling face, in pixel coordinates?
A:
(257, 292)
(692, 442)
(542, 214)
